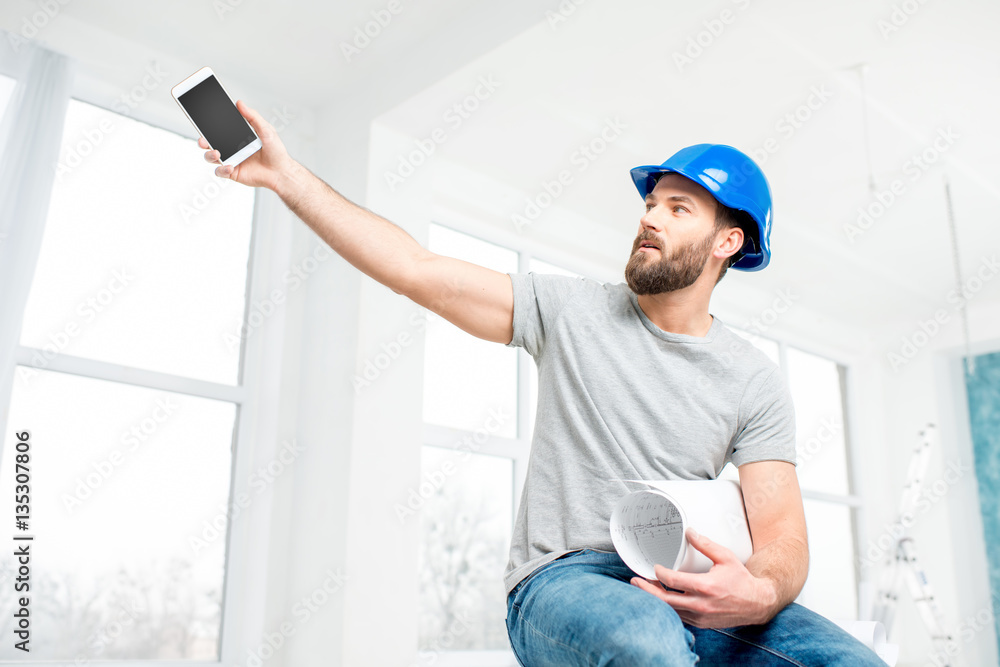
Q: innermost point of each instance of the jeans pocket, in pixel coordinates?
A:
(521, 584)
(538, 570)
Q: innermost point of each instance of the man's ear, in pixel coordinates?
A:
(732, 243)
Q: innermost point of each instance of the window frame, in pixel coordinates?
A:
(254, 395)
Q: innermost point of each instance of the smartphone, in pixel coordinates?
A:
(214, 114)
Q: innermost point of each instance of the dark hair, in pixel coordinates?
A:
(726, 218)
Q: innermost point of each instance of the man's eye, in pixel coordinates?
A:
(681, 208)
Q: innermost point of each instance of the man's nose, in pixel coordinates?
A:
(648, 221)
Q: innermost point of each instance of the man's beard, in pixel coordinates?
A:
(679, 270)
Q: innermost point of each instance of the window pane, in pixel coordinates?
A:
(831, 589)
(144, 258)
(819, 418)
(467, 378)
(125, 481)
(465, 525)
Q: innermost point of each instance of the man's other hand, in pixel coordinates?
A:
(727, 595)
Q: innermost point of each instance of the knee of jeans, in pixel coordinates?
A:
(650, 647)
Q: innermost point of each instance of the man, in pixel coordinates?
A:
(636, 381)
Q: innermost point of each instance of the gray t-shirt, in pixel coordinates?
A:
(620, 399)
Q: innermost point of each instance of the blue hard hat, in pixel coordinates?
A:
(734, 179)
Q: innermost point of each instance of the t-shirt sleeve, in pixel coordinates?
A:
(538, 300)
(769, 429)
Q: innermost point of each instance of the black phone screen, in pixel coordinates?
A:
(217, 117)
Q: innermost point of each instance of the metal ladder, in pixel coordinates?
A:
(903, 561)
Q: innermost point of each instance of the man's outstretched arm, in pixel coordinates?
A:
(731, 593)
(473, 298)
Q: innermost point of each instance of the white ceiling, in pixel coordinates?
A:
(560, 82)
(293, 47)
(941, 69)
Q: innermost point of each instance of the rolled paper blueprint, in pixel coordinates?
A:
(872, 635)
(647, 526)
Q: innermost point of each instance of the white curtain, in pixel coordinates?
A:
(30, 137)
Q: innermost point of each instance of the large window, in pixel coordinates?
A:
(148, 279)
(128, 379)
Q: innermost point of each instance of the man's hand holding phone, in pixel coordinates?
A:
(266, 168)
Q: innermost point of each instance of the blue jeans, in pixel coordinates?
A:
(581, 610)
